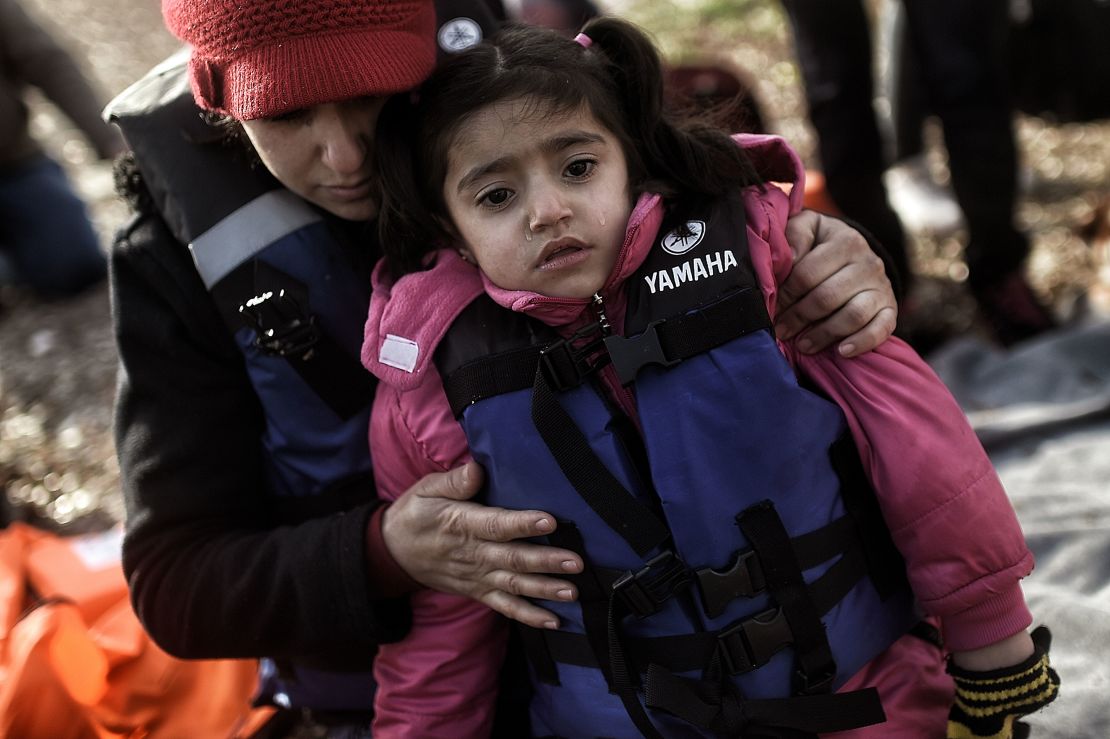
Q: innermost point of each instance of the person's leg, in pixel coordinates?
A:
(962, 49)
(832, 39)
(45, 231)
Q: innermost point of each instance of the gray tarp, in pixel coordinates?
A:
(1043, 411)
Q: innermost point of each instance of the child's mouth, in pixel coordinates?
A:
(562, 253)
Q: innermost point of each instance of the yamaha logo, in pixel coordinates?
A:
(682, 240)
(459, 34)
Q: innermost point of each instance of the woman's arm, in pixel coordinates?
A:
(212, 571)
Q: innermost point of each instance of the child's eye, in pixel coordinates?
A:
(497, 197)
(580, 168)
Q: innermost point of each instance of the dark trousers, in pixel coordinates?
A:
(45, 233)
(961, 53)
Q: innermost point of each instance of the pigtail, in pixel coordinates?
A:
(406, 230)
(683, 158)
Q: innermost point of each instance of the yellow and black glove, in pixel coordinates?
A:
(989, 704)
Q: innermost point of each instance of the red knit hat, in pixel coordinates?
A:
(259, 58)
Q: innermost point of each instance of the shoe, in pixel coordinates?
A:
(922, 205)
(1012, 309)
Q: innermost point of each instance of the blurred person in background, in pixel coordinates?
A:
(962, 52)
(46, 240)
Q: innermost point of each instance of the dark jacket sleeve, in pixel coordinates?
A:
(212, 572)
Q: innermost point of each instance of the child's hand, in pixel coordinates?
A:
(990, 702)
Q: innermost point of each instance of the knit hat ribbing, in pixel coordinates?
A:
(259, 58)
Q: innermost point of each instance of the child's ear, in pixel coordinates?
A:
(466, 253)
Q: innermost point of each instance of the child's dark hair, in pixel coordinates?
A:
(618, 78)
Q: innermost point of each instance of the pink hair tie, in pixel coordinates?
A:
(585, 41)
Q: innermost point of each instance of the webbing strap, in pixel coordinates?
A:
(884, 562)
(491, 376)
(764, 529)
(624, 514)
(694, 651)
(668, 341)
(664, 342)
(710, 707)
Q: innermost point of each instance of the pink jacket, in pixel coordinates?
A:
(944, 504)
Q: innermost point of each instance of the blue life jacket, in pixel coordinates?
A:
(738, 568)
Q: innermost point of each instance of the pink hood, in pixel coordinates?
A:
(407, 319)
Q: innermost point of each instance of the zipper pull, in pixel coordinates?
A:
(602, 319)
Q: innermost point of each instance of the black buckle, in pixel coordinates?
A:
(744, 579)
(752, 643)
(806, 684)
(567, 362)
(644, 592)
(630, 353)
(283, 328)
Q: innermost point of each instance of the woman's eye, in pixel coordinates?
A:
(580, 168)
(289, 116)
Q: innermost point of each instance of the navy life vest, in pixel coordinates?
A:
(738, 569)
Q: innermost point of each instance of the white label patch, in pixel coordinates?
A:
(399, 352)
(458, 34)
(679, 243)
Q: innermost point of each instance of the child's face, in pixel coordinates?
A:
(539, 199)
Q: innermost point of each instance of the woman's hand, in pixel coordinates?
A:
(838, 290)
(448, 543)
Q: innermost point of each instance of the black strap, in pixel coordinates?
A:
(764, 529)
(671, 340)
(491, 376)
(721, 709)
(567, 364)
(743, 578)
(885, 564)
(618, 508)
(748, 643)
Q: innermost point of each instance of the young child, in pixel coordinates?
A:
(578, 294)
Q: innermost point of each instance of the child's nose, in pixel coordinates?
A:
(549, 207)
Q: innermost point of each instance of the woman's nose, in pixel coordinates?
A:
(344, 142)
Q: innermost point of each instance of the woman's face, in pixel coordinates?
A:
(540, 199)
(322, 153)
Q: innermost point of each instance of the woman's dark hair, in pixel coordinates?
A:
(618, 78)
